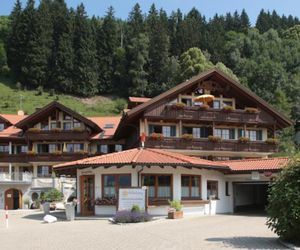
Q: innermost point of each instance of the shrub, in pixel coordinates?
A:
(244, 139)
(51, 92)
(187, 136)
(19, 86)
(120, 105)
(135, 208)
(39, 90)
(175, 204)
(284, 203)
(126, 216)
(214, 138)
(51, 196)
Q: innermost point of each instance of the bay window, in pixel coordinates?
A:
(159, 186)
(190, 187)
(112, 183)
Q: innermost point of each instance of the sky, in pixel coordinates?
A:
(208, 7)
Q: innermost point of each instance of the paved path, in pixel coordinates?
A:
(215, 232)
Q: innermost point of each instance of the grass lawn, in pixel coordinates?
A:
(96, 106)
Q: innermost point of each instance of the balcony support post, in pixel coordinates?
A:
(10, 149)
(10, 170)
(213, 128)
(245, 129)
(180, 128)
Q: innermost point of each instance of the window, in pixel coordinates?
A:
(67, 125)
(253, 135)
(169, 131)
(102, 149)
(53, 148)
(190, 187)
(2, 126)
(212, 189)
(42, 148)
(227, 188)
(54, 125)
(67, 117)
(75, 147)
(201, 132)
(112, 183)
(118, 148)
(45, 125)
(44, 171)
(216, 104)
(76, 124)
(4, 148)
(159, 186)
(187, 101)
(155, 129)
(21, 149)
(227, 103)
(225, 134)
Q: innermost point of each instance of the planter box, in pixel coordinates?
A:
(175, 215)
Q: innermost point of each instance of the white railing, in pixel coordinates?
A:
(45, 182)
(15, 177)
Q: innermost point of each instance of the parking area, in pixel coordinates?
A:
(27, 231)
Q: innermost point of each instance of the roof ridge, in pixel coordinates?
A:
(170, 154)
(255, 159)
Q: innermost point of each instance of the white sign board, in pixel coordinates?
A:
(255, 176)
(132, 196)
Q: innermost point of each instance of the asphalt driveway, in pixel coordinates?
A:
(27, 231)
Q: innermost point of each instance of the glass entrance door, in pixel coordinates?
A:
(87, 194)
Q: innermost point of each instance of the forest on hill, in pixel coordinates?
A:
(54, 47)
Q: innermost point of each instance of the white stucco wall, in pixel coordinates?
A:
(222, 205)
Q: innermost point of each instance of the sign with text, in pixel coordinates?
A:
(132, 196)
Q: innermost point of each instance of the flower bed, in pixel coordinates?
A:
(126, 216)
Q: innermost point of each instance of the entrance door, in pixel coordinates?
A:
(13, 199)
(87, 194)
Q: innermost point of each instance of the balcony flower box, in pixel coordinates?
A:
(187, 136)
(243, 139)
(105, 202)
(272, 141)
(204, 107)
(78, 130)
(178, 105)
(56, 130)
(81, 152)
(212, 138)
(251, 110)
(31, 152)
(34, 130)
(57, 152)
(228, 109)
(156, 136)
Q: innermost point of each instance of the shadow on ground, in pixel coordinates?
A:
(249, 242)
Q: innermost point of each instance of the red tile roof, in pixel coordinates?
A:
(144, 156)
(139, 99)
(108, 132)
(13, 119)
(276, 163)
(11, 132)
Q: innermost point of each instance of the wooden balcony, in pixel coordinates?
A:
(63, 135)
(213, 115)
(205, 145)
(23, 158)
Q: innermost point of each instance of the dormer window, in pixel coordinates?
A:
(2, 126)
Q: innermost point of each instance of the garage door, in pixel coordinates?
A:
(250, 197)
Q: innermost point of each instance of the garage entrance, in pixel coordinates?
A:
(250, 197)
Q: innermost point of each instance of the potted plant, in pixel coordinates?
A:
(227, 108)
(49, 198)
(187, 136)
(272, 141)
(175, 210)
(251, 110)
(244, 139)
(213, 138)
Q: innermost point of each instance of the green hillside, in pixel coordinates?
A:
(12, 99)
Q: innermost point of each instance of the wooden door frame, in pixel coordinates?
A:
(82, 177)
(20, 197)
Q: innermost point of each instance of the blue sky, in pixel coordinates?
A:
(208, 7)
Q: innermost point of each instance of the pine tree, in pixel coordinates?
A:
(245, 22)
(85, 74)
(138, 50)
(175, 22)
(15, 41)
(107, 42)
(135, 22)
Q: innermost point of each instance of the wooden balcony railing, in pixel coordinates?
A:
(217, 115)
(64, 157)
(56, 135)
(203, 144)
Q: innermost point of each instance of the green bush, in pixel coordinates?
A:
(175, 204)
(51, 196)
(135, 208)
(284, 204)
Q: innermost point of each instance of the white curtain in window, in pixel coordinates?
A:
(185, 192)
(109, 191)
(151, 191)
(164, 191)
(195, 192)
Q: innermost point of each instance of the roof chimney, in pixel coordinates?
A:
(297, 133)
(21, 113)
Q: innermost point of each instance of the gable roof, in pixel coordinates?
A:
(12, 119)
(108, 132)
(276, 163)
(143, 157)
(39, 114)
(285, 121)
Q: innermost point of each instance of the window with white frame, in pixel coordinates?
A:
(4, 148)
(169, 131)
(253, 135)
(75, 147)
(44, 171)
(118, 147)
(52, 148)
(103, 148)
(226, 134)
